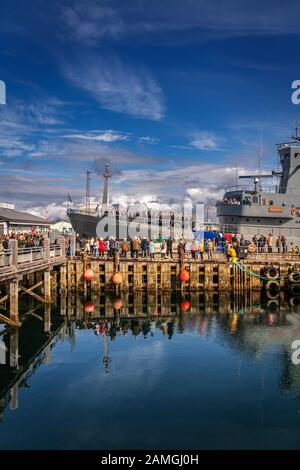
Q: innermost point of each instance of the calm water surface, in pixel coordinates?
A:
(151, 375)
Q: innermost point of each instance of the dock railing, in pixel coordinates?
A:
(5, 257)
(15, 259)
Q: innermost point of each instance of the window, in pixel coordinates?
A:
(258, 220)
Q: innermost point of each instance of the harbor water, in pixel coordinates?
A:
(197, 376)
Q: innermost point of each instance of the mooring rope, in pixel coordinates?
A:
(244, 268)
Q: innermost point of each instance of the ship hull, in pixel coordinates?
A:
(96, 226)
(83, 224)
(279, 219)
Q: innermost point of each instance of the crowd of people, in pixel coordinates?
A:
(24, 240)
(233, 200)
(265, 244)
(33, 239)
(146, 248)
(198, 248)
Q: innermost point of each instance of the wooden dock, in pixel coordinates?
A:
(25, 270)
(144, 274)
(43, 271)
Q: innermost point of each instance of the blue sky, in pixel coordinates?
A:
(171, 93)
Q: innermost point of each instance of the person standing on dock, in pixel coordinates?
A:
(209, 249)
(152, 249)
(201, 250)
(279, 243)
(261, 244)
(270, 243)
(112, 247)
(95, 248)
(135, 247)
(194, 249)
(145, 247)
(187, 249)
(92, 242)
(163, 249)
(124, 248)
(101, 247)
(170, 247)
(223, 243)
(181, 249)
(283, 243)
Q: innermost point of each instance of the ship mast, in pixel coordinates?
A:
(88, 192)
(106, 176)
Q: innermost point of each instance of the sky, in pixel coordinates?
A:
(174, 94)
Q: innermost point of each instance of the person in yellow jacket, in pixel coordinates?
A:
(232, 254)
(201, 249)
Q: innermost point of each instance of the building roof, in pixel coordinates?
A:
(62, 226)
(12, 216)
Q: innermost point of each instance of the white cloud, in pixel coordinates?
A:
(88, 22)
(148, 140)
(192, 20)
(116, 86)
(204, 141)
(20, 120)
(52, 211)
(99, 136)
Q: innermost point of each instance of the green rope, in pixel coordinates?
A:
(244, 268)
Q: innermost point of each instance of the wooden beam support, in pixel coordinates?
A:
(3, 299)
(10, 322)
(33, 294)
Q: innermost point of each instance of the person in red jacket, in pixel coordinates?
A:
(102, 247)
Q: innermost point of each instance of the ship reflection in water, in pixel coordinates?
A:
(152, 371)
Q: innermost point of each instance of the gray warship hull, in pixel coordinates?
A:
(255, 211)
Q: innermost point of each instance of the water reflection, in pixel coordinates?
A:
(249, 326)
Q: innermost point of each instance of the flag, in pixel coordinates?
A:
(69, 198)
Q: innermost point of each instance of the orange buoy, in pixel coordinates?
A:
(88, 274)
(118, 304)
(185, 305)
(117, 279)
(89, 307)
(184, 275)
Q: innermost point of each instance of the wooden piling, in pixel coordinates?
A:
(47, 285)
(14, 300)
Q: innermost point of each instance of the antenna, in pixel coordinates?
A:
(260, 160)
(236, 175)
(296, 136)
(88, 192)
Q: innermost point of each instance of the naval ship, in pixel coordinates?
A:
(120, 224)
(256, 210)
